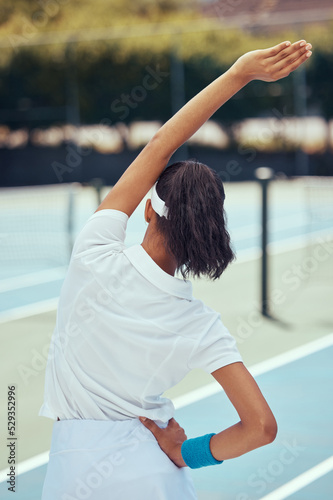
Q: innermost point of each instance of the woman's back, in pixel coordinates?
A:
(126, 331)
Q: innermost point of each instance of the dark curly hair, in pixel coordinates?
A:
(195, 231)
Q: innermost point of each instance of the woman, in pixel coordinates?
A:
(127, 329)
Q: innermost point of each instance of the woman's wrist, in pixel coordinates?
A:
(196, 452)
(180, 462)
(239, 74)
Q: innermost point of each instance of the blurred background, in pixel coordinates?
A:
(83, 87)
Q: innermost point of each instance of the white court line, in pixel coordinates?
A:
(203, 392)
(287, 245)
(29, 310)
(254, 231)
(258, 369)
(301, 241)
(31, 279)
(276, 224)
(301, 481)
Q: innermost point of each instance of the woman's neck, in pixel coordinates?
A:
(154, 247)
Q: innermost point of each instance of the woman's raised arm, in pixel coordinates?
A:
(268, 65)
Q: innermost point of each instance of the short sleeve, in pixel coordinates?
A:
(105, 227)
(214, 349)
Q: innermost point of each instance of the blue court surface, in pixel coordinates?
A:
(297, 465)
(35, 248)
(301, 397)
(34, 252)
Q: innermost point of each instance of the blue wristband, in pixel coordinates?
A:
(196, 452)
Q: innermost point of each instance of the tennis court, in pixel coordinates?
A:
(299, 464)
(290, 356)
(39, 224)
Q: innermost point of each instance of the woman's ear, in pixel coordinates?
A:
(148, 211)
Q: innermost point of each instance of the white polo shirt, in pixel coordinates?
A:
(126, 331)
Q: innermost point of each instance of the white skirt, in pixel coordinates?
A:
(111, 460)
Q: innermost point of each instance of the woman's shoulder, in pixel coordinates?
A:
(105, 227)
(198, 317)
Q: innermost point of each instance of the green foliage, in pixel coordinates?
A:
(139, 33)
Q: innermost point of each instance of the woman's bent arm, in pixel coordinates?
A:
(257, 426)
(268, 65)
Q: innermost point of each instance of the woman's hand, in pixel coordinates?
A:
(169, 439)
(274, 63)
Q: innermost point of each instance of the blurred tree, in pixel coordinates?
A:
(108, 69)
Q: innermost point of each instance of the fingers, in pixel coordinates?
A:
(288, 50)
(294, 59)
(150, 424)
(155, 429)
(294, 51)
(297, 49)
(297, 62)
(174, 424)
(274, 51)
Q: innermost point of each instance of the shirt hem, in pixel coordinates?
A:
(222, 363)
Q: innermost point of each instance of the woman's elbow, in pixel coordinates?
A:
(269, 430)
(160, 146)
(263, 430)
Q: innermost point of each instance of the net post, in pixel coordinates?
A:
(264, 176)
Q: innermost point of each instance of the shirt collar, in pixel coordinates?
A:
(142, 261)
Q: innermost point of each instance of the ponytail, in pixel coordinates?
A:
(195, 231)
